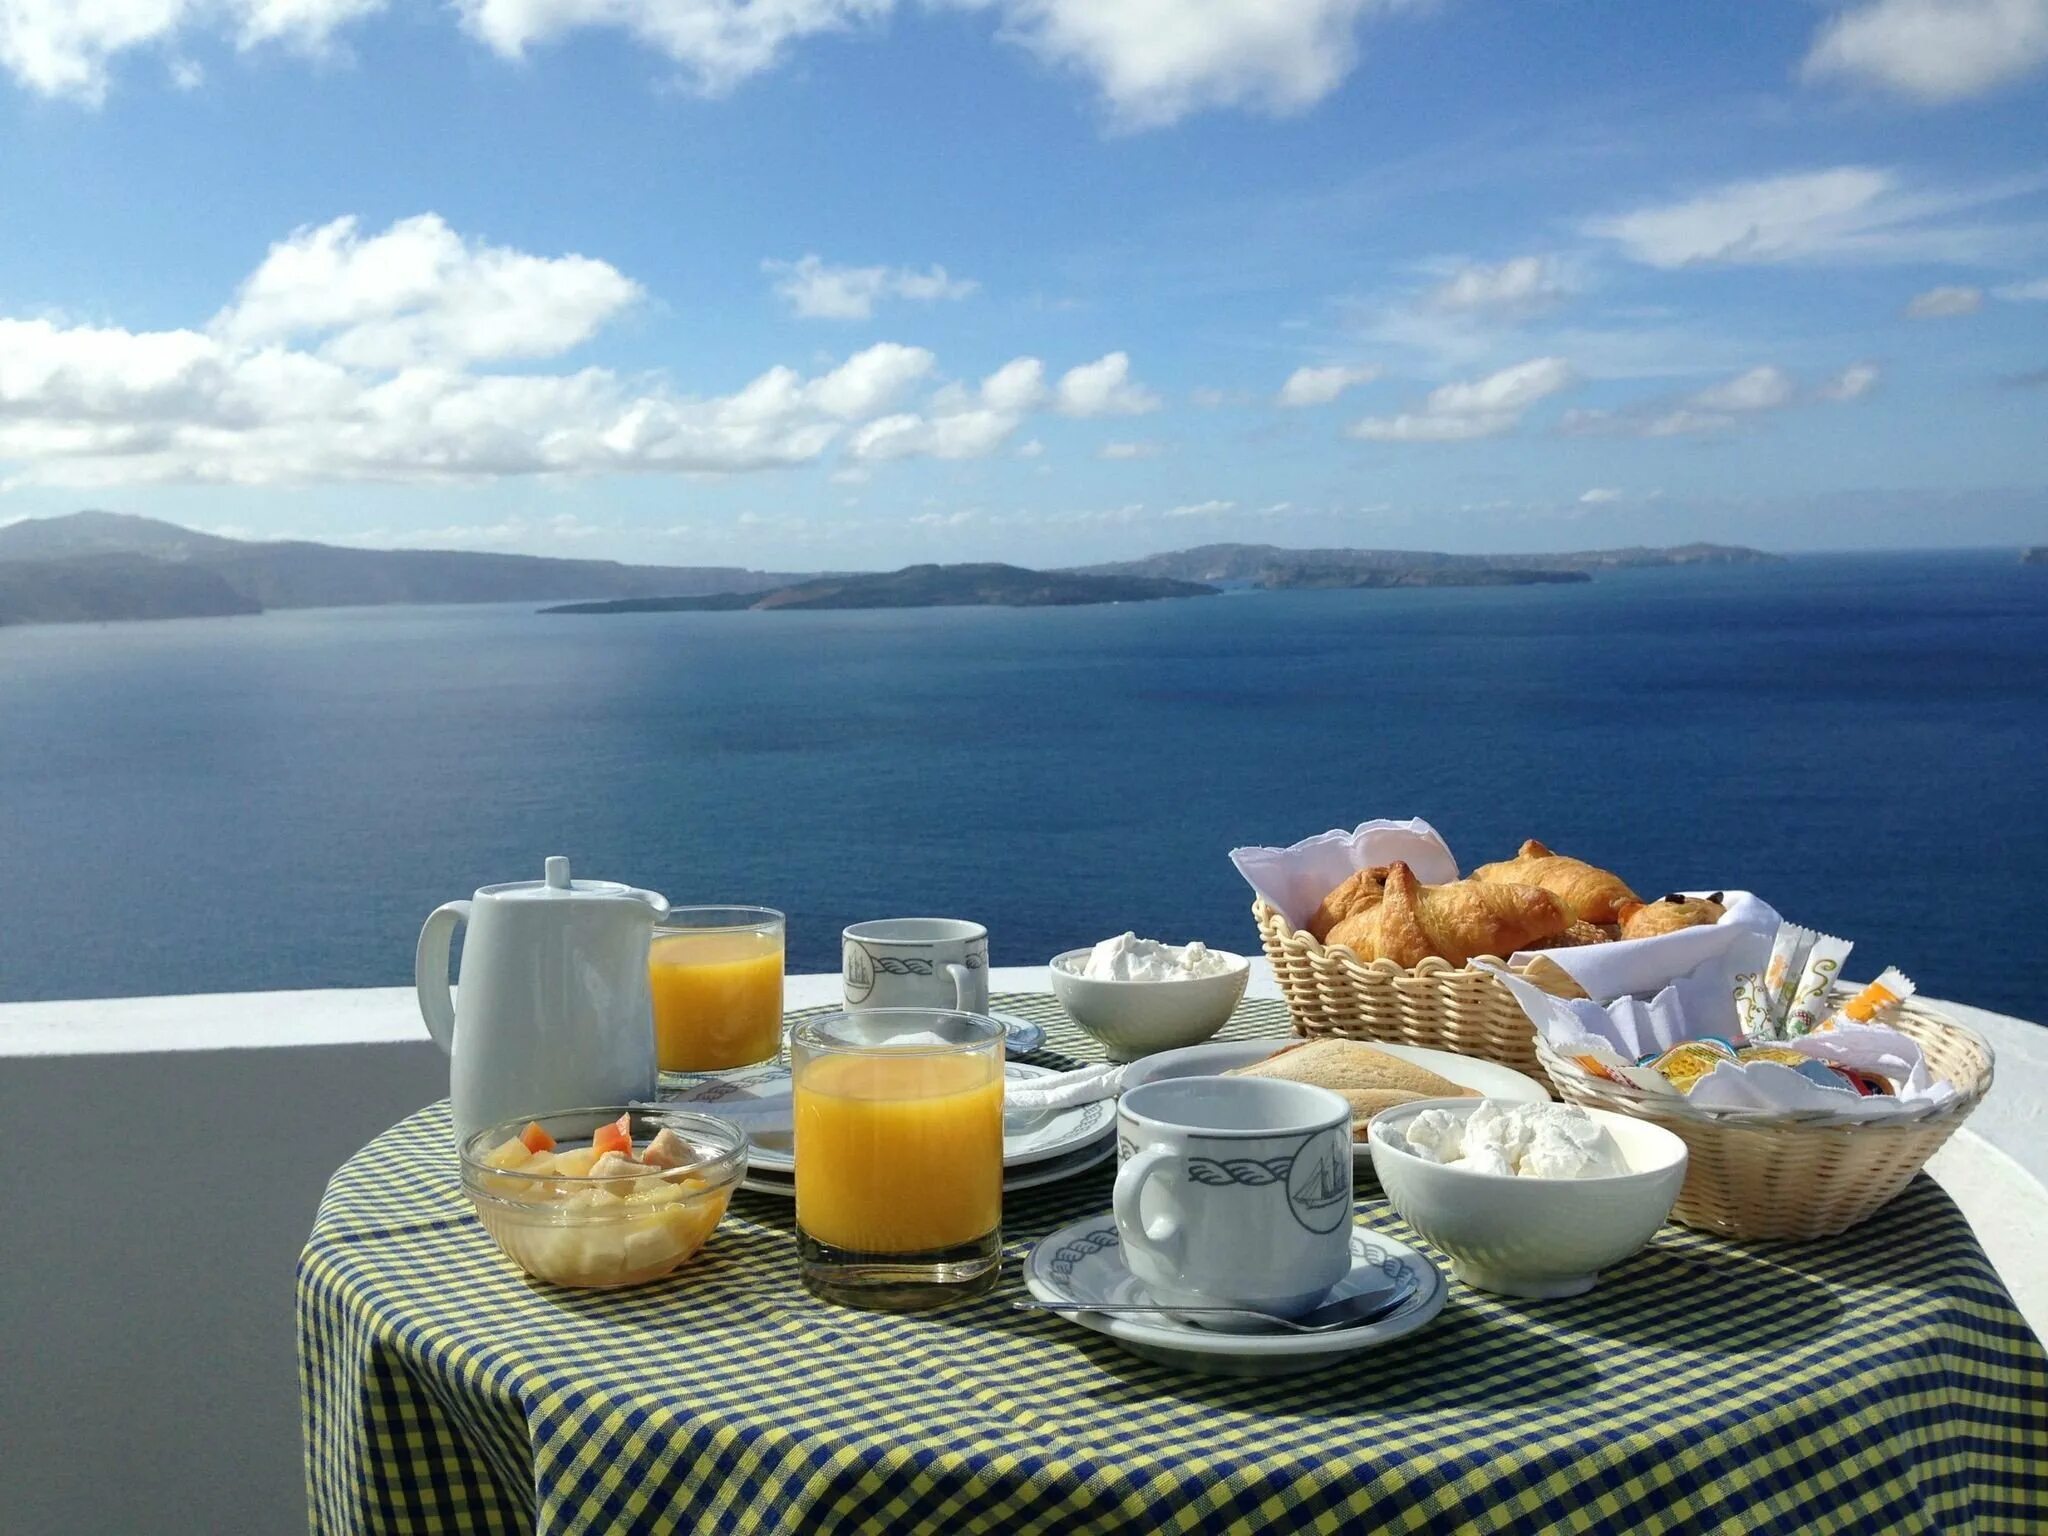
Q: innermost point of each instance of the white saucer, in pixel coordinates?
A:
(1084, 1263)
(1028, 1176)
(1218, 1056)
(1029, 1135)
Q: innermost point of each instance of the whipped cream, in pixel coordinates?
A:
(1538, 1141)
(1130, 958)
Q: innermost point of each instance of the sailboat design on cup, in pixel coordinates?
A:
(1319, 1184)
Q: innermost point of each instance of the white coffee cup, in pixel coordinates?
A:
(1235, 1191)
(915, 962)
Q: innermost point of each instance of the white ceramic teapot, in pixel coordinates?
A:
(553, 1011)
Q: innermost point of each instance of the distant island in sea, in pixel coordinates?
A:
(921, 586)
(95, 566)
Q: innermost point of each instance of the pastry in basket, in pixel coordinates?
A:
(1412, 921)
(1580, 932)
(1362, 890)
(1668, 914)
(1594, 895)
(1369, 1080)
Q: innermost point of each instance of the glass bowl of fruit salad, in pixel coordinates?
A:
(604, 1197)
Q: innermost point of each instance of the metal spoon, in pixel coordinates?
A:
(1346, 1312)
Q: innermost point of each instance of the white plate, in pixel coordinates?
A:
(1085, 1263)
(1029, 1136)
(1028, 1176)
(1218, 1056)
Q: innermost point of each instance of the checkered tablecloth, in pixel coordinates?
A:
(1879, 1382)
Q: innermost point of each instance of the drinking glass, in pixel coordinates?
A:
(899, 1155)
(716, 977)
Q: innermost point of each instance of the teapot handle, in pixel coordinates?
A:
(430, 972)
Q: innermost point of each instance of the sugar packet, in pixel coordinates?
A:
(1812, 999)
(1771, 996)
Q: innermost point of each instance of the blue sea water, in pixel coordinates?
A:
(277, 802)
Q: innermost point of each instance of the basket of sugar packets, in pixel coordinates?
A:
(1806, 1104)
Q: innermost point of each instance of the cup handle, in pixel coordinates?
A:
(1166, 1234)
(430, 972)
(961, 977)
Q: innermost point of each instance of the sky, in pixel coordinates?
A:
(850, 283)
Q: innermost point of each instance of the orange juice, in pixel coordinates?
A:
(899, 1153)
(717, 998)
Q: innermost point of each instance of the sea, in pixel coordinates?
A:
(278, 801)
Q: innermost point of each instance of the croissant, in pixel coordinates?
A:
(1453, 922)
(1360, 891)
(1668, 914)
(1593, 894)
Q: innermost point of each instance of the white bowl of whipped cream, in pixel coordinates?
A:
(1137, 996)
(1527, 1199)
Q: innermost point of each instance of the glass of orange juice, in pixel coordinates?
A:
(716, 977)
(899, 1155)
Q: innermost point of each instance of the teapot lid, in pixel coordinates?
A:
(555, 885)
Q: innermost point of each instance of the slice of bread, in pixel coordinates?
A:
(1350, 1066)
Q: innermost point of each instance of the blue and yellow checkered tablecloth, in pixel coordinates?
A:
(1879, 1382)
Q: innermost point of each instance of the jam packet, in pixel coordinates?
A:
(1689, 1061)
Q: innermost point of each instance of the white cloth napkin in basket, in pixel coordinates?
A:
(1618, 1033)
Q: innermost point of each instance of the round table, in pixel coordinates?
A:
(1877, 1381)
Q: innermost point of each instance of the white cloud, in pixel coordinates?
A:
(1319, 386)
(1852, 383)
(2035, 290)
(1410, 427)
(969, 434)
(1130, 450)
(1524, 285)
(1944, 303)
(1765, 388)
(1152, 61)
(1719, 407)
(1104, 388)
(344, 359)
(1017, 386)
(1933, 50)
(1487, 407)
(1156, 61)
(1031, 450)
(1511, 389)
(1846, 213)
(815, 290)
(1599, 495)
(67, 47)
(717, 43)
(1201, 509)
(419, 293)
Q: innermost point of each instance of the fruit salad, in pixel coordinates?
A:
(605, 1213)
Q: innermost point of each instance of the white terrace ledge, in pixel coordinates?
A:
(147, 1303)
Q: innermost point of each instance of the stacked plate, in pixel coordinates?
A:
(1039, 1146)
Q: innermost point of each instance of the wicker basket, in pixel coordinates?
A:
(1754, 1175)
(1442, 1006)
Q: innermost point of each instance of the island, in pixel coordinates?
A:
(1270, 566)
(919, 586)
(92, 566)
(95, 566)
(1311, 577)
